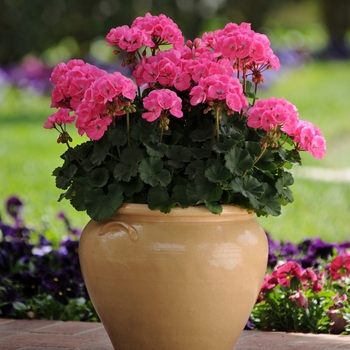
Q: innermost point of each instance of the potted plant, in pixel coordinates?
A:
(184, 133)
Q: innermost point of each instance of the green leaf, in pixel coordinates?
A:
(80, 152)
(208, 191)
(143, 131)
(152, 172)
(217, 173)
(156, 149)
(19, 306)
(290, 156)
(178, 155)
(202, 133)
(282, 186)
(97, 177)
(267, 164)
(270, 200)
(249, 187)
(158, 198)
(200, 153)
(65, 176)
(128, 165)
(117, 137)
(100, 150)
(192, 194)
(214, 207)
(101, 206)
(179, 196)
(87, 164)
(254, 148)
(194, 168)
(135, 185)
(77, 193)
(238, 161)
(225, 146)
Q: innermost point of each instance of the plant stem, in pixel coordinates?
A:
(255, 92)
(161, 134)
(260, 155)
(256, 160)
(217, 125)
(128, 127)
(244, 77)
(119, 153)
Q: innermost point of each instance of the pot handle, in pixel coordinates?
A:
(116, 226)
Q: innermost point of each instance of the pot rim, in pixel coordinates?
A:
(229, 212)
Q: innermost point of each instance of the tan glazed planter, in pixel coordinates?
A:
(186, 280)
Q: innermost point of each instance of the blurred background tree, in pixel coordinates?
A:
(35, 26)
(336, 16)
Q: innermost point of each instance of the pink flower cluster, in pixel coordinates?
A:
(306, 279)
(278, 114)
(161, 100)
(219, 87)
(60, 117)
(93, 94)
(241, 44)
(71, 81)
(165, 68)
(106, 97)
(206, 78)
(150, 31)
(340, 267)
(284, 274)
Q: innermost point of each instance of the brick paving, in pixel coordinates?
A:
(57, 335)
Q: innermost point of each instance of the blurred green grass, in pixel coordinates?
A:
(29, 153)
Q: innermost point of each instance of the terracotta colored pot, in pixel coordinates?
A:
(186, 280)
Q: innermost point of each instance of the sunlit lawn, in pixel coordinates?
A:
(28, 154)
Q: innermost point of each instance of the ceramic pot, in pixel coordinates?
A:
(186, 280)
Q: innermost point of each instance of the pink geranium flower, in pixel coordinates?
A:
(161, 100)
(310, 139)
(60, 117)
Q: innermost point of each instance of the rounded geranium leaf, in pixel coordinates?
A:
(158, 198)
(238, 160)
(152, 172)
(98, 177)
(214, 207)
(178, 156)
(129, 162)
(248, 186)
(217, 173)
(207, 190)
(101, 206)
(100, 151)
(64, 176)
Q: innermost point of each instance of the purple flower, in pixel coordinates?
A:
(14, 206)
(29, 283)
(289, 249)
(321, 249)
